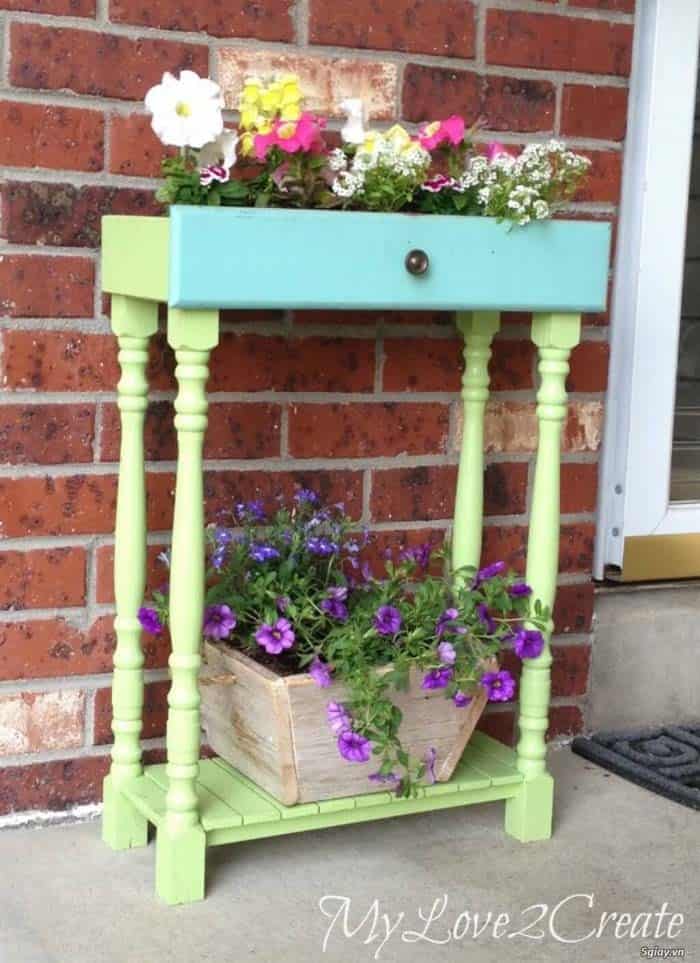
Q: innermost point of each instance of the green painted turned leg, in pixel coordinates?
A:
(478, 328)
(181, 841)
(529, 814)
(133, 321)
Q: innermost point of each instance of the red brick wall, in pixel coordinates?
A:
(364, 404)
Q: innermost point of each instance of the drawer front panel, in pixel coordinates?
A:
(323, 259)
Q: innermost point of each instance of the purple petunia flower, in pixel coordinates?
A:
(282, 603)
(443, 623)
(500, 686)
(420, 555)
(320, 672)
(263, 553)
(218, 557)
(219, 622)
(429, 760)
(321, 546)
(387, 620)
(461, 699)
(353, 747)
(275, 638)
(447, 653)
(150, 621)
(305, 496)
(334, 604)
(484, 574)
(437, 678)
(391, 778)
(253, 510)
(482, 610)
(222, 536)
(338, 717)
(528, 643)
(519, 590)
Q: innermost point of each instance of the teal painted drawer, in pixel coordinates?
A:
(252, 258)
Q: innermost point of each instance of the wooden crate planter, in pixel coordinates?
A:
(199, 260)
(273, 728)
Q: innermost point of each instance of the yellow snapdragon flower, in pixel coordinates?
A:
(261, 104)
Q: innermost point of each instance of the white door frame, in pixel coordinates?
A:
(646, 307)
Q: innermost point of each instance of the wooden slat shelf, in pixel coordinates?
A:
(233, 809)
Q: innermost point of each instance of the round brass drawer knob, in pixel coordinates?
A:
(417, 262)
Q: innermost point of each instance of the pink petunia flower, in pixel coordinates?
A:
(293, 137)
(450, 131)
(494, 149)
(438, 183)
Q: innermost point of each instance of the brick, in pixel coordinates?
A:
(46, 434)
(570, 669)
(564, 721)
(508, 543)
(53, 648)
(73, 505)
(251, 362)
(579, 487)
(599, 112)
(304, 317)
(135, 149)
(415, 27)
(511, 426)
(59, 361)
(624, 6)
(576, 548)
(35, 285)
(235, 430)
(222, 489)
(52, 785)
(325, 80)
(69, 8)
(36, 721)
(156, 572)
(99, 64)
(604, 180)
(34, 135)
(573, 608)
(155, 712)
(261, 19)
(42, 578)
(589, 367)
(435, 364)
(502, 103)
(63, 215)
(552, 42)
(499, 725)
(427, 492)
(367, 430)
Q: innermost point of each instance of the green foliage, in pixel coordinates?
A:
(182, 186)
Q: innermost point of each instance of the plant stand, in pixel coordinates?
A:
(199, 260)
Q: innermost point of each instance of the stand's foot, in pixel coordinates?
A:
(180, 865)
(123, 826)
(529, 814)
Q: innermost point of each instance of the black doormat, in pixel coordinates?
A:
(665, 759)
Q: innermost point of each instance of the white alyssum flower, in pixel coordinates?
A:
(337, 161)
(186, 111)
(220, 152)
(353, 131)
(348, 183)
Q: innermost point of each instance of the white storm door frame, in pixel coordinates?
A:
(646, 308)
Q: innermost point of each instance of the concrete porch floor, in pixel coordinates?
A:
(65, 898)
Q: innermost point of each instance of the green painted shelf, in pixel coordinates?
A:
(233, 809)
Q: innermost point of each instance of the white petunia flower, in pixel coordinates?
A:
(353, 131)
(186, 111)
(220, 152)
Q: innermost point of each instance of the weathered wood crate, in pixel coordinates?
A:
(273, 728)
